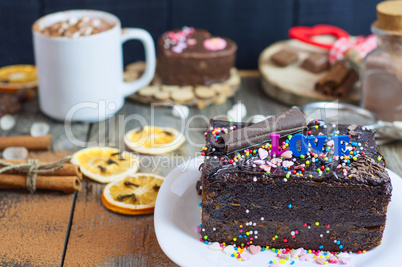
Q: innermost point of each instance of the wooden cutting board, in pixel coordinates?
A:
(292, 84)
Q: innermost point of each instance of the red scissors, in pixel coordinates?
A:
(305, 34)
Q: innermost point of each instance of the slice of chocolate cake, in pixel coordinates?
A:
(193, 57)
(327, 189)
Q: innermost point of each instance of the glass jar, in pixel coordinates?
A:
(382, 77)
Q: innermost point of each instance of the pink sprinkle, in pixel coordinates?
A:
(247, 163)
(191, 41)
(251, 238)
(284, 256)
(296, 232)
(241, 231)
(302, 252)
(245, 257)
(304, 257)
(276, 161)
(333, 259)
(287, 154)
(234, 127)
(287, 163)
(266, 168)
(215, 44)
(330, 143)
(345, 260)
(299, 166)
(259, 162)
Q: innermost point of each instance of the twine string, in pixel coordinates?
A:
(32, 168)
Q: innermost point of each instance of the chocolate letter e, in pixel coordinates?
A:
(303, 145)
(340, 145)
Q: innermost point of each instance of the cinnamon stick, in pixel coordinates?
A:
(67, 170)
(345, 88)
(334, 77)
(284, 123)
(29, 142)
(66, 184)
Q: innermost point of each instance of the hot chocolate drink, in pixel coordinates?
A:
(76, 27)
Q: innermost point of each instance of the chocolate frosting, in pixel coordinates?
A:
(284, 123)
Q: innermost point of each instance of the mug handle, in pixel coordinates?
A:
(149, 46)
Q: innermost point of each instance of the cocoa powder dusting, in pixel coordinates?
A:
(33, 227)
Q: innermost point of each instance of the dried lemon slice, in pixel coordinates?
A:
(154, 140)
(132, 195)
(16, 77)
(105, 164)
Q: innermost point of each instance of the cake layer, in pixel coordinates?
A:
(194, 64)
(234, 195)
(292, 234)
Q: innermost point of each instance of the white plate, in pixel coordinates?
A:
(177, 214)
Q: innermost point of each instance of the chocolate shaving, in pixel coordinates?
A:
(284, 123)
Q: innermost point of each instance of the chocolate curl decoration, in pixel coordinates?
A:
(287, 122)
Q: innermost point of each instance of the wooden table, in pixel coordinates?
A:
(50, 228)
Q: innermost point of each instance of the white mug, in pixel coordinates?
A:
(81, 79)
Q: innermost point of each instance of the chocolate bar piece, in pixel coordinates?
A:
(284, 58)
(287, 122)
(316, 63)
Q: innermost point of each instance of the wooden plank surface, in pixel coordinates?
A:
(33, 227)
(99, 237)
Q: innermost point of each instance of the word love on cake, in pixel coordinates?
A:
(340, 142)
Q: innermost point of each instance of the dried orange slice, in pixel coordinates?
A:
(132, 195)
(16, 77)
(154, 140)
(105, 164)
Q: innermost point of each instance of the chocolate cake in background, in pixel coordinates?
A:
(317, 201)
(193, 57)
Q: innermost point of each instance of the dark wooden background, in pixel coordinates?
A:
(252, 24)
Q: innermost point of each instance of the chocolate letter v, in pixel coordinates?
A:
(317, 148)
